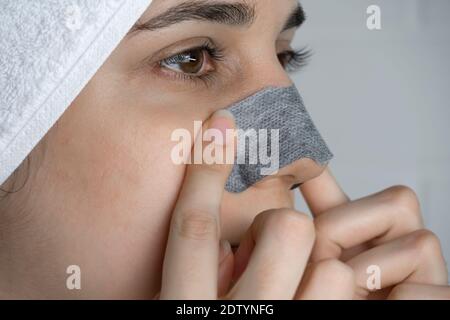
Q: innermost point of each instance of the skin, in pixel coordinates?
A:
(103, 194)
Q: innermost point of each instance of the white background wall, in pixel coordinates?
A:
(381, 98)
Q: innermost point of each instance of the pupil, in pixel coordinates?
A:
(193, 62)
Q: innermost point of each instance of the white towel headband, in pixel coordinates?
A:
(49, 50)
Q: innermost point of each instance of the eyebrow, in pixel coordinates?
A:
(296, 19)
(234, 14)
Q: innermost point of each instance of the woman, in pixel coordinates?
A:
(101, 192)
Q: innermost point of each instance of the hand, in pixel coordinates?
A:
(384, 229)
(270, 261)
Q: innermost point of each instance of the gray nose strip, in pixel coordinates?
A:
(262, 113)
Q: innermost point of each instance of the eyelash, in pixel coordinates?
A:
(215, 52)
(295, 60)
(291, 60)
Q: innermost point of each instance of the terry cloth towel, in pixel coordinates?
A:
(49, 50)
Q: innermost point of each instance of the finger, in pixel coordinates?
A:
(226, 264)
(327, 280)
(277, 247)
(414, 258)
(190, 269)
(413, 291)
(377, 218)
(323, 193)
(240, 209)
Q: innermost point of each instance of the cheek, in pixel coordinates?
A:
(116, 161)
(109, 169)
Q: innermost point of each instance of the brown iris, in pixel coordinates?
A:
(191, 62)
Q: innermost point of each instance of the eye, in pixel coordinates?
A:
(190, 62)
(196, 62)
(196, 65)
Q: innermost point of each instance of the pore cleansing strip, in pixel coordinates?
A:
(274, 130)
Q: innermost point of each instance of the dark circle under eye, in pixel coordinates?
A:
(192, 61)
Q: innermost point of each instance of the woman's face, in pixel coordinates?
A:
(105, 188)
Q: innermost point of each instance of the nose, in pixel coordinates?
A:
(300, 170)
(274, 75)
(275, 117)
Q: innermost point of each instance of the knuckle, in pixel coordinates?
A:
(197, 225)
(405, 201)
(428, 256)
(426, 243)
(403, 197)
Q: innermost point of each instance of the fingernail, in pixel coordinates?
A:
(225, 250)
(222, 120)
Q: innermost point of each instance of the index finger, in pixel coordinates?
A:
(323, 193)
(190, 267)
